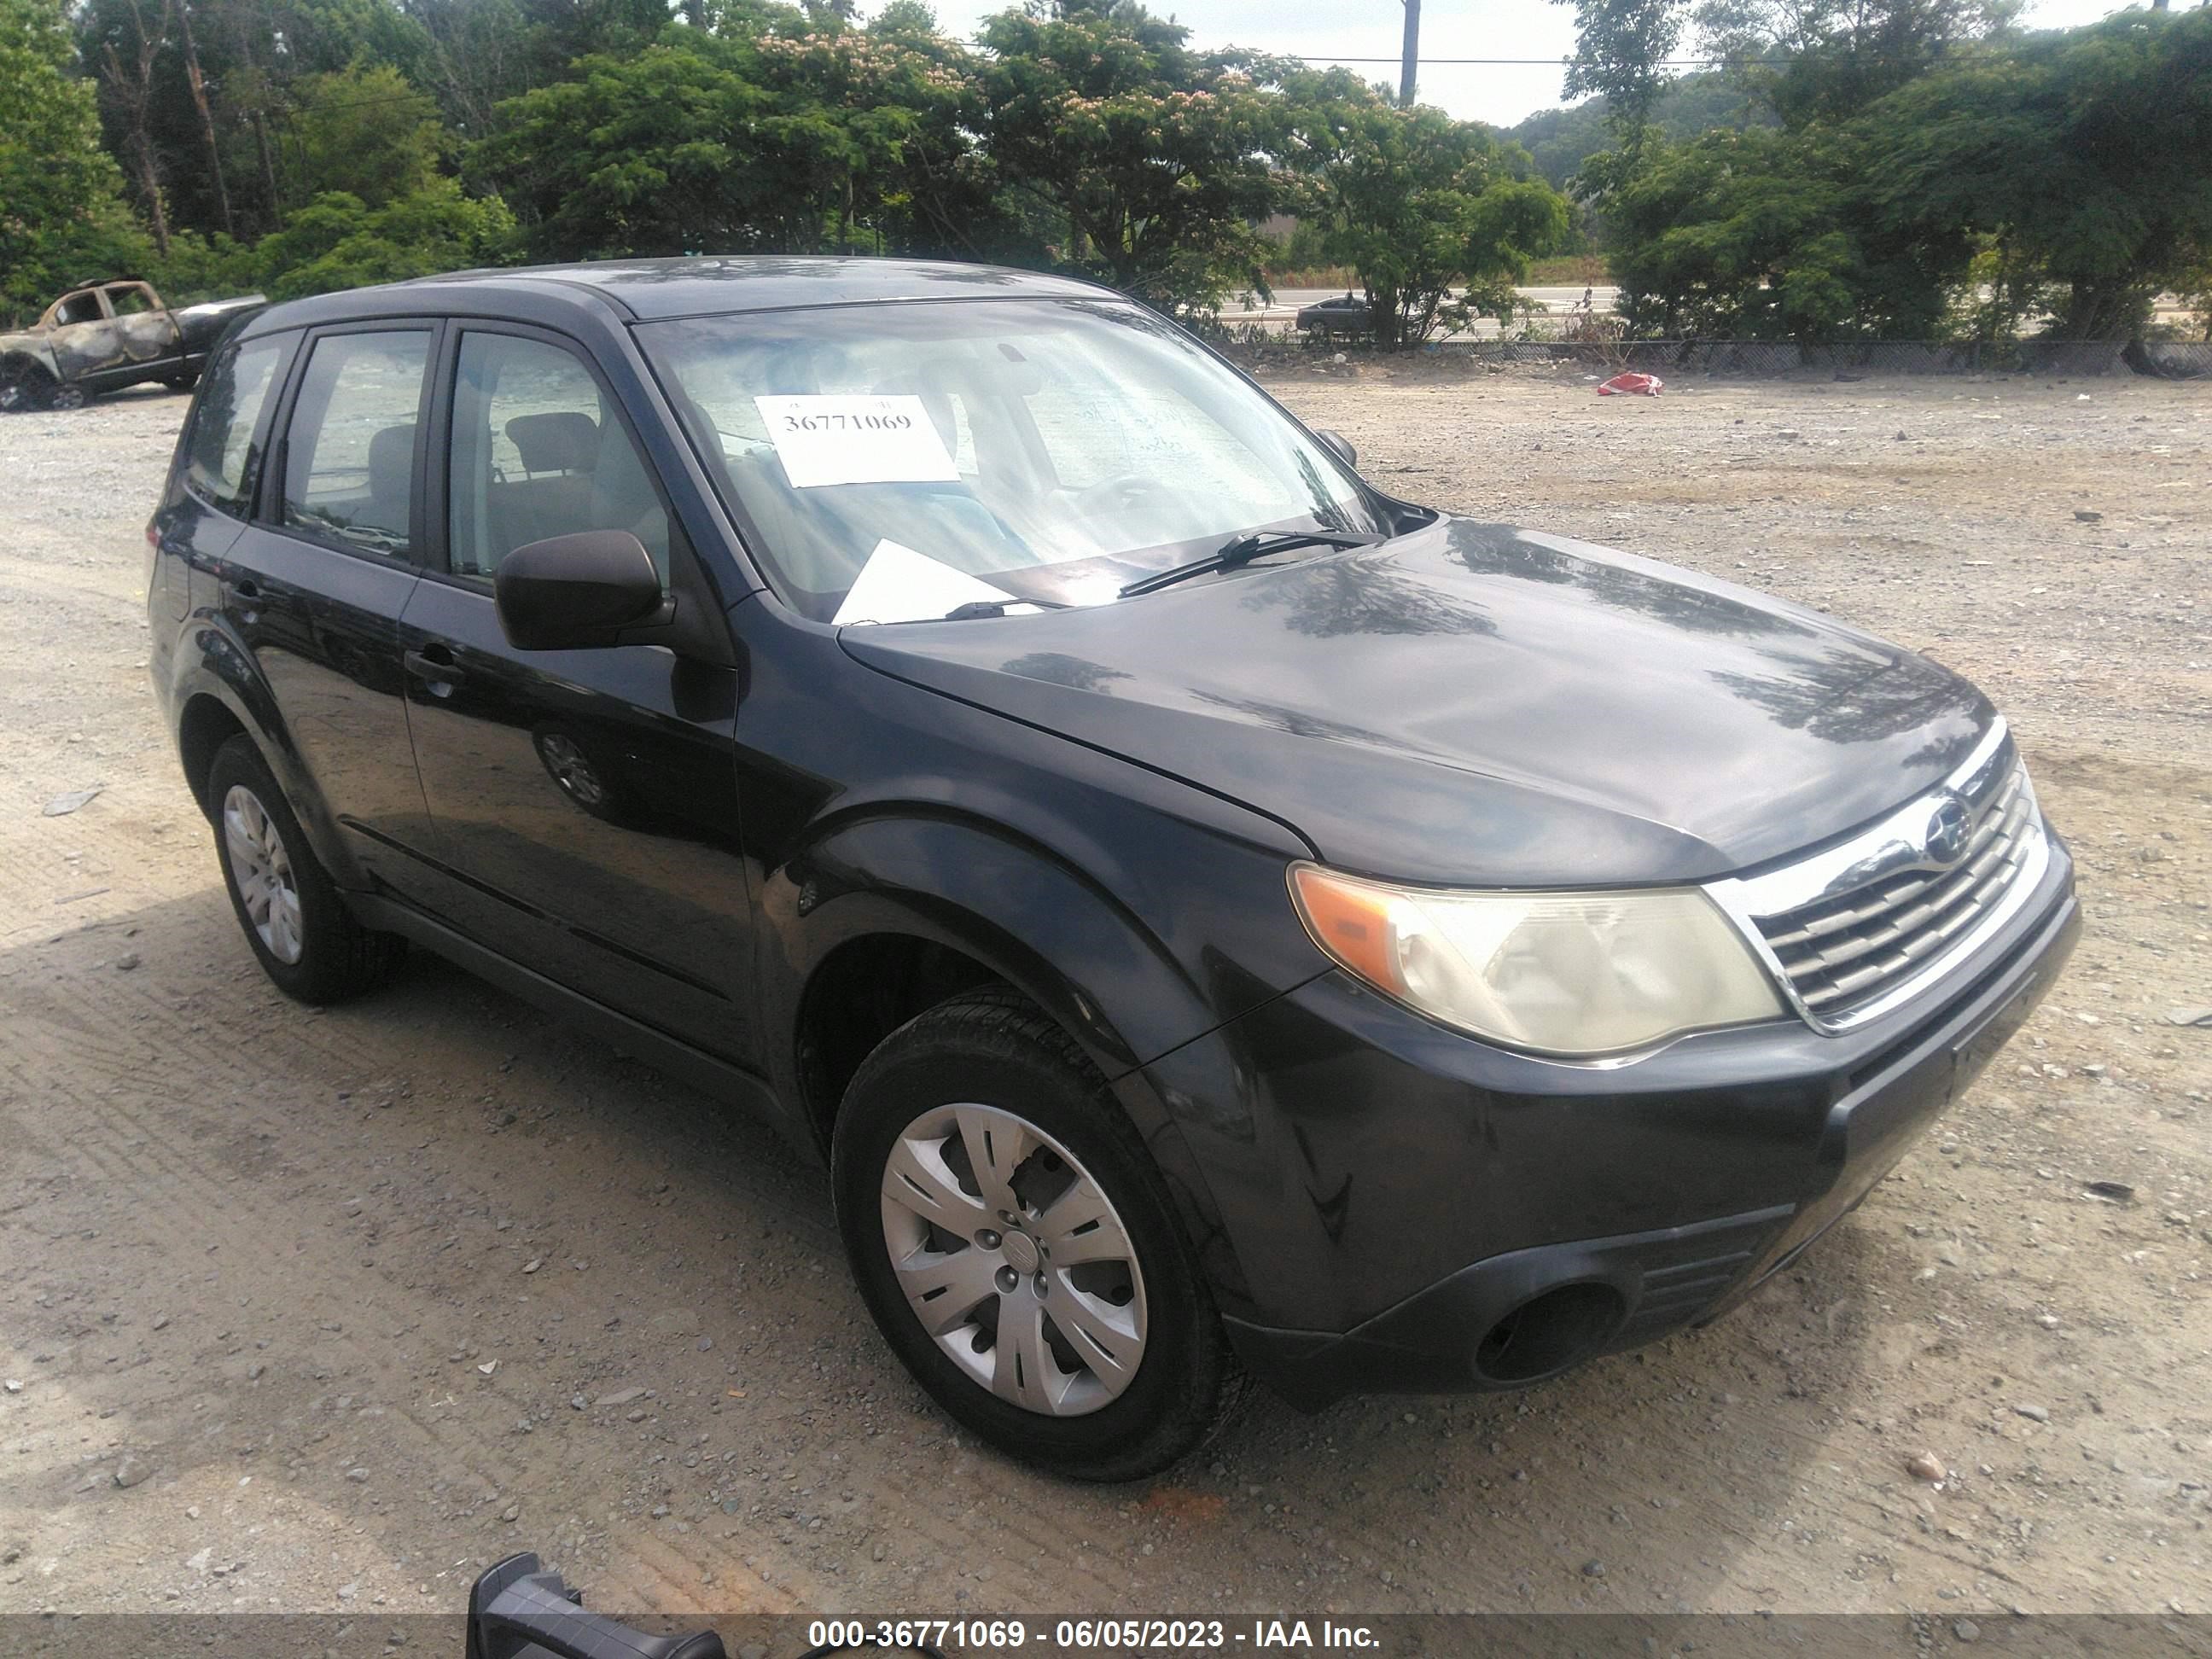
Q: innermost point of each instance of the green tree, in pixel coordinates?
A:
(1811, 60)
(63, 219)
(338, 241)
(1558, 141)
(1767, 235)
(1155, 154)
(1621, 48)
(765, 133)
(1416, 203)
(364, 132)
(2083, 153)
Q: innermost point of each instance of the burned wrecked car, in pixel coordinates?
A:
(107, 336)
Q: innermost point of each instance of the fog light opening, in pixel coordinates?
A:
(1548, 1332)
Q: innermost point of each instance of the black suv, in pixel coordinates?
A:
(1211, 917)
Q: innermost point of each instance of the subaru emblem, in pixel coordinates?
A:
(1948, 831)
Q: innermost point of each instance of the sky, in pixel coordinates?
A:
(1501, 94)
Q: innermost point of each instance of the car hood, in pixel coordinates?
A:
(1474, 703)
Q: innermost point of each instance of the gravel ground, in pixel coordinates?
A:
(326, 1311)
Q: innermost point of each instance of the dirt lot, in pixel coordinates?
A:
(323, 1311)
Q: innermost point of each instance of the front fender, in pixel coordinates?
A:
(1035, 920)
(27, 351)
(1090, 961)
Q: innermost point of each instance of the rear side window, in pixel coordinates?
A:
(220, 465)
(349, 452)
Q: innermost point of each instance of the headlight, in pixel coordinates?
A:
(1570, 974)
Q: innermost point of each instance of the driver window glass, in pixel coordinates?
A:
(538, 450)
(77, 308)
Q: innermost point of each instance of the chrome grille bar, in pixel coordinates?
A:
(1856, 930)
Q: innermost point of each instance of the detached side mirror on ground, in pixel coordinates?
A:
(518, 1610)
(1341, 445)
(574, 592)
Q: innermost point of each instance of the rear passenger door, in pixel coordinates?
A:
(144, 329)
(587, 799)
(313, 588)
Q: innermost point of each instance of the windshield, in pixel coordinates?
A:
(898, 461)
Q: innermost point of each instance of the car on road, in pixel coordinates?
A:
(1213, 919)
(1330, 317)
(107, 335)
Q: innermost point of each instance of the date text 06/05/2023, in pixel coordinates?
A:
(1126, 1635)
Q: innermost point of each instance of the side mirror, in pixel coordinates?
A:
(1340, 447)
(573, 593)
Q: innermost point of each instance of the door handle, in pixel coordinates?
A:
(434, 665)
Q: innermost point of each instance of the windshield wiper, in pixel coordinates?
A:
(1240, 550)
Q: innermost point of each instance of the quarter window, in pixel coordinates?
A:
(220, 465)
(538, 450)
(350, 456)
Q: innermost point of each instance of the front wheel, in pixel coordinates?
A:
(1018, 1248)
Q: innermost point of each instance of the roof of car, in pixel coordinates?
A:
(650, 289)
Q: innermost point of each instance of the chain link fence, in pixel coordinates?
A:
(2178, 360)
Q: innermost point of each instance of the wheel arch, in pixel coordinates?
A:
(30, 368)
(884, 918)
(218, 693)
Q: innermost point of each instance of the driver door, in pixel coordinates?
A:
(82, 336)
(586, 799)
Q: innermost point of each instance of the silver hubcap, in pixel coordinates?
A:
(1013, 1260)
(262, 869)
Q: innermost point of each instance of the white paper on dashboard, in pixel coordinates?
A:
(856, 438)
(900, 585)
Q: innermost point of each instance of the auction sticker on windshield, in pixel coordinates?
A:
(843, 438)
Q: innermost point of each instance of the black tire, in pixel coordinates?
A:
(994, 1047)
(25, 388)
(184, 382)
(337, 957)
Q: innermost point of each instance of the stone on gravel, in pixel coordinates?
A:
(131, 1470)
(2034, 1414)
(1593, 1569)
(1926, 1466)
(620, 1397)
(2189, 1016)
(1965, 1630)
(357, 1475)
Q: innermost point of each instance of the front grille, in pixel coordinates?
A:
(1846, 949)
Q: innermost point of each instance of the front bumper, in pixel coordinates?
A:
(1390, 1192)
